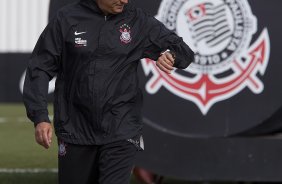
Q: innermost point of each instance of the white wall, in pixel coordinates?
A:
(21, 22)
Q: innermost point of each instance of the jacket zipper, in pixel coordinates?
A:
(96, 92)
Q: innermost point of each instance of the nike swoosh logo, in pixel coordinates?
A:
(78, 33)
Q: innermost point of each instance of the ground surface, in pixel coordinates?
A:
(21, 160)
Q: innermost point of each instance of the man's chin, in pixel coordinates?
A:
(118, 10)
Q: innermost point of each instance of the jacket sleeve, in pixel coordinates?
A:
(42, 67)
(160, 39)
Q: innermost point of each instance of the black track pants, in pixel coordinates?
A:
(106, 164)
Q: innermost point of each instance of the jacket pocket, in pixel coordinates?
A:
(60, 105)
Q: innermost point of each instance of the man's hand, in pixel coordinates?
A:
(165, 62)
(43, 134)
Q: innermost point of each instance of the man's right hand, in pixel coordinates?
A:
(43, 134)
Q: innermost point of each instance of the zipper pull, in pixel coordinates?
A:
(105, 17)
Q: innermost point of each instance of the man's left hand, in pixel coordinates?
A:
(165, 62)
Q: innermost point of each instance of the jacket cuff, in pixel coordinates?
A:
(39, 117)
(182, 63)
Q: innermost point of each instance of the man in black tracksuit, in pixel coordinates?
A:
(94, 48)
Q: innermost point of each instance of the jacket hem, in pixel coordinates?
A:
(71, 140)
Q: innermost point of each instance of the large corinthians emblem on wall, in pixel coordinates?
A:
(227, 61)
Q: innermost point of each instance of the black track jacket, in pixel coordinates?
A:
(95, 58)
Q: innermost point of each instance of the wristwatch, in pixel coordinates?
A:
(172, 53)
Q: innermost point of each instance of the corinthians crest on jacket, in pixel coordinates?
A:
(125, 36)
(226, 61)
